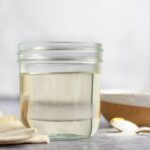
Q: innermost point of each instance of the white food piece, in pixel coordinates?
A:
(124, 125)
(144, 130)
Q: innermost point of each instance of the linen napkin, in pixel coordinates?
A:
(13, 131)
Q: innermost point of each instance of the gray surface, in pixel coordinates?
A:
(9, 105)
(105, 139)
(101, 141)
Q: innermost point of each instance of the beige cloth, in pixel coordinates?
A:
(14, 132)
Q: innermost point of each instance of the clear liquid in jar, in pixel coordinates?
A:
(61, 105)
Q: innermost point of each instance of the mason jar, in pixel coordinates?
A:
(60, 88)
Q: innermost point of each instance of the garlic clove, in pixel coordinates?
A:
(124, 125)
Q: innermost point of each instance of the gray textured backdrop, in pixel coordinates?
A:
(123, 26)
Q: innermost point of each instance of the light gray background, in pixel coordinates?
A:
(122, 26)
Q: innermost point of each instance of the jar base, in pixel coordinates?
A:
(67, 137)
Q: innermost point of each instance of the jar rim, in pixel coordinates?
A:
(60, 52)
(57, 45)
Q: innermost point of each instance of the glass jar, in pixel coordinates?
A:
(60, 87)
